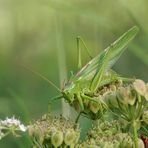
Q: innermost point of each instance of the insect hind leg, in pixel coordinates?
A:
(100, 102)
(79, 38)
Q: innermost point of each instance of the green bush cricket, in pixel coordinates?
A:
(80, 89)
(96, 72)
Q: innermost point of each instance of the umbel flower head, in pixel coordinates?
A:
(129, 100)
(50, 131)
(12, 125)
(12, 122)
(109, 135)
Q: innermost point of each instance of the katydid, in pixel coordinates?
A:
(96, 72)
(81, 87)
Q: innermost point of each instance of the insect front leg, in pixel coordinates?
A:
(88, 98)
(56, 98)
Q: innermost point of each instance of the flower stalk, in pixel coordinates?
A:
(135, 135)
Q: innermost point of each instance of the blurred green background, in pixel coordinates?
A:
(42, 35)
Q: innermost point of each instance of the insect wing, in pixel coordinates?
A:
(106, 59)
(111, 55)
(88, 71)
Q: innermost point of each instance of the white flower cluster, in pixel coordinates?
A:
(12, 125)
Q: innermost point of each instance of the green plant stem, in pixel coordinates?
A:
(77, 119)
(135, 134)
(61, 60)
(139, 110)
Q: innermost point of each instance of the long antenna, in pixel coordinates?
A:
(41, 76)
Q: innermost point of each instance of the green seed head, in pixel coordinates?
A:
(126, 141)
(57, 138)
(145, 117)
(70, 137)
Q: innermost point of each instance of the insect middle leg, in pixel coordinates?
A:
(95, 100)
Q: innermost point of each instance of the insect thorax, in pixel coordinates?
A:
(71, 90)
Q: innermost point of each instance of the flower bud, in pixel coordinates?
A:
(140, 144)
(77, 137)
(36, 132)
(57, 138)
(113, 88)
(145, 117)
(120, 82)
(140, 86)
(127, 142)
(116, 144)
(111, 100)
(94, 107)
(70, 137)
(146, 93)
(49, 130)
(137, 124)
(31, 131)
(126, 96)
(108, 145)
(92, 141)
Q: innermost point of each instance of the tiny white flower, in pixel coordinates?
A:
(22, 127)
(12, 122)
(1, 134)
